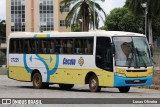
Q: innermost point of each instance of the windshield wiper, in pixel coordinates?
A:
(140, 54)
(133, 53)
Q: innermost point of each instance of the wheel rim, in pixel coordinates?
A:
(93, 83)
(36, 81)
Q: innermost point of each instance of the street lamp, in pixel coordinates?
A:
(94, 16)
(144, 5)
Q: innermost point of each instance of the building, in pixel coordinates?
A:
(35, 16)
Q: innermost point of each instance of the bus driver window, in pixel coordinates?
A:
(104, 59)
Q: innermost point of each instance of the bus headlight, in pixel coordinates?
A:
(150, 73)
(122, 75)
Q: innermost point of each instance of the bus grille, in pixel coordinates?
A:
(135, 81)
(136, 70)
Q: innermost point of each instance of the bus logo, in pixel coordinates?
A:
(81, 61)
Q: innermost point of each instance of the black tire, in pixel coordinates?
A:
(37, 82)
(94, 84)
(66, 86)
(124, 89)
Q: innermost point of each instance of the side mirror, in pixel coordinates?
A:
(151, 49)
(112, 48)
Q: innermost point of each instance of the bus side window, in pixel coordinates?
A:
(58, 46)
(12, 46)
(34, 46)
(27, 46)
(42, 47)
(84, 46)
(15, 46)
(19, 46)
(20, 43)
(49, 46)
(69, 46)
(77, 46)
(52, 50)
(89, 46)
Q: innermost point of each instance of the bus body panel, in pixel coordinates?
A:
(108, 78)
(130, 73)
(64, 72)
(133, 77)
(123, 81)
(19, 73)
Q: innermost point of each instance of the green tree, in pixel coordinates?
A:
(121, 19)
(75, 27)
(153, 11)
(2, 39)
(2, 30)
(2, 25)
(155, 28)
(84, 10)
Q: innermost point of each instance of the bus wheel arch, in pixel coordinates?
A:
(33, 72)
(36, 79)
(92, 80)
(88, 77)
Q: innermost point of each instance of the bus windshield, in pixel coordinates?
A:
(132, 52)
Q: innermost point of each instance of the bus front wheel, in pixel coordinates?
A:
(124, 89)
(93, 84)
(66, 86)
(37, 81)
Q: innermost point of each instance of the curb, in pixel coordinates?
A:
(156, 87)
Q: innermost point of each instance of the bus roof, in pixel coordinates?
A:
(74, 34)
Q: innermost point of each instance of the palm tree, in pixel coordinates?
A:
(83, 10)
(153, 11)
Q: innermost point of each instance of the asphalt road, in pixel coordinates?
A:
(15, 89)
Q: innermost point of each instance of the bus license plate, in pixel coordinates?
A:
(136, 81)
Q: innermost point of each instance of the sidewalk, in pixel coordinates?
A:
(156, 87)
(3, 71)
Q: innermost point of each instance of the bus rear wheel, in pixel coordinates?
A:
(66, 86)
(124, 89)
(37, 81)
(93, 84)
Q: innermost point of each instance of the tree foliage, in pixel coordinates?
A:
(75, 27)
(2, 30)
(121, 19)
(153, 9)
(2, 26)
(84, 10)
(2, 39)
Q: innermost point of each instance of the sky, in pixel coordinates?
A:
(2, 9)
(108, 5)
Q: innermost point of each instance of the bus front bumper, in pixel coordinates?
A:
(124, 81)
